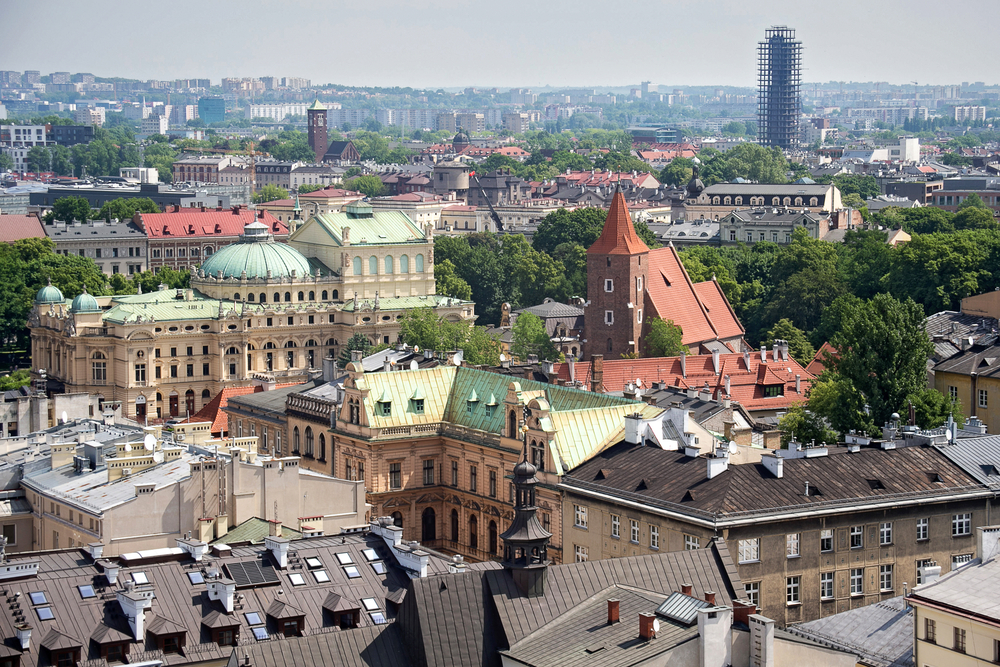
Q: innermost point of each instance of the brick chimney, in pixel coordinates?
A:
(613, 611)
(596, 372)
(687, 589)
(710, 597)
(646, 626)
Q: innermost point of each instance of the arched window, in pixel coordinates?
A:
(310, 343)
(263, 298)
(277, 298)
(236, 296)
(232, 350)
(270, 346)
(357, 266)
(373, 265)
(512, 424)
(288, 296)
(205, 393)
(312, 296)
(336, 295)
(189, 401)
(610, 345)
(250, 298)
(787, 201)
(322, 447)
(404, 264)
(388, 264)
(727, 201)
(739, 201)
(473, 532)
(775, 201)
(397, 519)
(420, 263)
(813, 201)
(428, 524)
(715, 200)
(98, 355)
(295, 440)
(493, 537)
(798, 201)
(330, 342)
(324, 295)
(302, 296)
(309, 441)
(454, 525)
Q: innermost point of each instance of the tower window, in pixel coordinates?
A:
(609, 285)
(609, 317)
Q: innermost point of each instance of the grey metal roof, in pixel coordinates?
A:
(754, 189)
(96, 231)
(681, 608)
(552, 308)
(973, 588)
(376, 646)
(881, 633)
(979, 457)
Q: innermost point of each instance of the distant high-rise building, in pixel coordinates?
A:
(779, 76)
(317, 129)
(212, 109)
(31, 76)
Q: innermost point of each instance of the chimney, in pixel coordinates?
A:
(761, 640)
(196, 548)
(95, 550)
(571, 365)
(633, 429)
(763, 353)
(774, 464)
(715, 361)
(710, 597)
(928, 574)
(596, 372)
(278, 546)
(223, 590)
(987, 542)
(784, 350)
(134, 605)
(717, 462)
(683, 364)
(329, 369)
(727, 378)
(386, 366)
(612, 612)
(687, 589)
(646, 626)
(742, 609)
(111, 570)
(746, 359)
(23, 635)
(356, 356)
(798, 383)
(715, 636)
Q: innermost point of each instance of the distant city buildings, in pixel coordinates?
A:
(779, 78)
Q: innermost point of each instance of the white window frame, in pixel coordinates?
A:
(633, 531)
(923, 529)
(654, 537)
(858, 531)
(857, 580)
(580, 553)
(885, 578)
(609, 285)
(616, 526)
(638, 317)
(824, 535)
(826, 585)
(691, 543)
(885, 533)
(609, 317)
(792, 545)
(793, 594)
(953, 393)
(961, 524)
(984, 398)
(749, 550)
(580, 516)
(752, 592)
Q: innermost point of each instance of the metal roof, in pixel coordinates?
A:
(881, 633)
(681, 608)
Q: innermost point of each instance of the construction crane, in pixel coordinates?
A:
(493, 212)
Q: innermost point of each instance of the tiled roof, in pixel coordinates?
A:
(618, 236)
(187, 223)
(213, 410)
(673, 296)
(17, 227)
(818, 363)
(746, 384)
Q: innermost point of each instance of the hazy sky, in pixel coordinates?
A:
(436, 43)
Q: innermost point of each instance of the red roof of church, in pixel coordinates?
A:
(618, 236)
(16, 227)
(818, 363)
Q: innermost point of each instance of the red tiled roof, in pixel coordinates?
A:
(212, 411)
(513, 151)
(17, 227)
(720, 312)
(746, 385)
(618, 236)
(195, 222)
(818, 363)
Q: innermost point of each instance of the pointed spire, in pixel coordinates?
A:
(618, 236)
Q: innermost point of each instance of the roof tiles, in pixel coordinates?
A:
(618, 236)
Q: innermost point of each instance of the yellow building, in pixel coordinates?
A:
(956, 619)
(254, 307)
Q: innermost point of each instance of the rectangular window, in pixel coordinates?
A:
(930, 631)
(857, 537)
(580, 553)
(959, 640)
(386, 408)
(204, 349)
(190, 370)
(826, 540)
(190, 351)
(885, 533)
(395, 476)
(792, 545)
(749, 550)
(752, 592)
(454, 473)
(857, 581)
(609, 285)
(691, 543)
(173, 371)
(634, 534)
(792, 590)
(616, 526)
(885, 578)
(428, 472)
(609, 317)
(204, 369)
(173, 352)
(140, 372)
(270, 321)
(472, 478)
(983, 398)
(774, 237)
(953, 393)
(493, 483)
(579, 516)
(749, 237)
(826, 585)
(654, 537)
(923, 529)
(961, 524)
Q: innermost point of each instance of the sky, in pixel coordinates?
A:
(510, 43)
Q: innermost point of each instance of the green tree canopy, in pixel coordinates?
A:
(369, 185)
(973, 201)
(799, 347)
(38, 159)
(530, 337)
(422, 328)
(270, 193)
(124, 209)
(664, 339)
(358, 341)
(6, 162)
(750, 161)
(804, 426)
(448, 283)
(69, 209)
(678, 172)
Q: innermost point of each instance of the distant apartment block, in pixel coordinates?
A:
(516, 123)
(60, 77)
(274, 111)
(70, 135)
(212, 109)
(154, 125)
(89, 116)
(522, 96)
(963, 114)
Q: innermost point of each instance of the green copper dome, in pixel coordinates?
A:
(85, 303)
(256, 253)
(49, 294)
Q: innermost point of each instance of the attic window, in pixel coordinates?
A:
(642, 486)
(352, 572)
(321, 576)
(379, 567)
(345, 558)
(297, 579)
(934, 477)
(418, 405)
(38, 597)
(314, 563)
(370, 554)
(772, 391)
(386, 408)
(45, 613)
(86, 591)
(253, 618)
(876, 484)
(140, 578)
(688, 497)
(196, 577)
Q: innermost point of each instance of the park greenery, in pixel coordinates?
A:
(424, 329)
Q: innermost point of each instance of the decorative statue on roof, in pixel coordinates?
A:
(695, 186)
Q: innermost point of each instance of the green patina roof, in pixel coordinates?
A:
(257, 258)
(382, 227)
(585, 422)
(254, 531)
(49, 294)
(85, 303)
(316, 106)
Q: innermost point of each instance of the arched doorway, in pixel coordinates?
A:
(140, 407)
(473, 532)
(189, 402)
(493, 537)
(397, 519)
(428, 525)
(454, 525)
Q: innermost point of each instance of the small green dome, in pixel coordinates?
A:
(256, 254)
(85, 303)
(49, 294)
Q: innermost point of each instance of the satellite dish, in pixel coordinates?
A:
(656, 625)
(128, 447)
(65, 417)
(638, 382)
(503, 357)
(157, 457)
(459, 356)
(416, 348)
(414, 365)
(149, 441)
(733, 448)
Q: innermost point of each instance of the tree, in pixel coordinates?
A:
(615, 161)
(421, 327)
(865, 187)
(678, 172)
(62, 160)
(371, 146)
(270, 193)
(804, 426)
(932, 408)
(972, 201)
(530, 337)
(852, 200)
(356, 342)
(369, 185)
(974, 217)
(582, 227)
(304, 189)
(448, 283)
(352, 172)
(17, 379)
(799, 347)
(125, 209)
(6, 162)
(750, 161)
(69, 209)
(664, 339)
(38, 159)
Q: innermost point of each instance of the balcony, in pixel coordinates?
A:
(95, 331)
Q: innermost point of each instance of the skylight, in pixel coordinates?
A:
(297, 579)
(196, 577)
(378, 618)
(371, 604)
(345, 558)
(260, 633)
(322, 577)
(253, 618)
(87, 591)
(314, 563)
(38, 597)
(370, 554)
(379, 567)
(140, 578)
(45, 613)
(352, 572)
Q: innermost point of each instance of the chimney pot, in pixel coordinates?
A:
(687, 589)
(710, 597)
(613, 611)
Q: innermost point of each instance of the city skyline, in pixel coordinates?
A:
(420, 44)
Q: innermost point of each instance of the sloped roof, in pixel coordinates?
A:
(253, 531)
(818, 363)
(618, 236)
(973, 589)
(192, 223)
(717, 307)
(881, 633)
(382, 227)
(17, 227)
(213, 410)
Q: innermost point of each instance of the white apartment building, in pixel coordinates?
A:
(972, 113)
(17, 140)
(154, 125)
(274, 111)
(89, 116)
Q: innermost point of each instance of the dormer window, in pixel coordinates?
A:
(772, 391)
(386, 408)
(418, 406)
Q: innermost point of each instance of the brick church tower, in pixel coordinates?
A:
(617, 267)
(317, 129)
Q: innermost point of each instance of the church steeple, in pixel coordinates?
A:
(526, 542)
